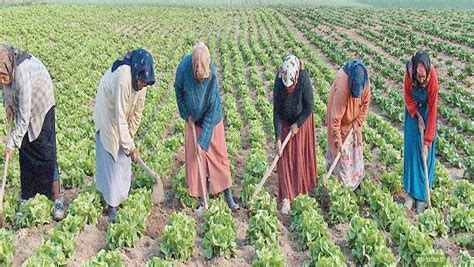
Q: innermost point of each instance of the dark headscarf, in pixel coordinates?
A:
(358, 76)
(420, 57)
(10, 58)
(141, 63)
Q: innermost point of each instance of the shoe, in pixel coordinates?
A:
(285, 207)
(112, 214)
(58, 212)
(409, 201)
(230, 200)
(420, 207)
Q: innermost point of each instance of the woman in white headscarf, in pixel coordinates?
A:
(293, 112)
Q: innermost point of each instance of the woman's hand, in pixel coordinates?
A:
(424, 151)
(294, 129)
(10, 114)
(279, 148)
(8, 153)
(134, 155)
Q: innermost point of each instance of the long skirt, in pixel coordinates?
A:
(297, 170)
(113, 178)
(38, 160)
(350, 168)
(413, 169)
(214, 163)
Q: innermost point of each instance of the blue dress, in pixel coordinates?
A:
(413, 170)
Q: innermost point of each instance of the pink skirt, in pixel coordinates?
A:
(215, 162)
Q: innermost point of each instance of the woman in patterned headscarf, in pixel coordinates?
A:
(293, 112)
(421, 99)
(29, 100)
(199, 102)
(348, 106)
(117, 115)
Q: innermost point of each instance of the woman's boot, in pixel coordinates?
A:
(230, 200)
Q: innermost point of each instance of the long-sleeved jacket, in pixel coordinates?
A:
(200, 100)
(295, 107)
(343, 110)
(118, 110)
(412, 106)
(31, 96)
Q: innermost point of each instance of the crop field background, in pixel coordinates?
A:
(336, 227)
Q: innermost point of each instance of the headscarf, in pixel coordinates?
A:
(358, 76)
(420, 57)
(289, 72)
(10, 58)
(141, 64)
(201, 60)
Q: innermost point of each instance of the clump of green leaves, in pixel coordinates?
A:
(72, 224)
(367, 241)
(220, 230)
(323, 249)
(311, 227)
(219, 241)
(263, 201)
(35, 211)
(464, 191)
(87, 207)
(400, 227)
(105, 258)
(7, 248)
(178, 237)
(263, 226)
(159, 262)
(47, 255)
(255, 168)
(383, 257)
(431, 221)
(180, 190)
(412, 244)
(392, 181)
(439, 197)
(465, 240)
(268, 256)
(300, 204)
(461, 218)
(131, 220)
(343, 203)
(10, 205)
(382, 207)
(465, 260)
(64, 240)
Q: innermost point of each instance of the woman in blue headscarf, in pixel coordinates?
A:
(421, 99)
(117, 114)
(348, 106)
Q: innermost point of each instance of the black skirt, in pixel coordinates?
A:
(38, 160)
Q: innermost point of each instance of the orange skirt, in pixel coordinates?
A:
(215, 162)
(297, 170)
